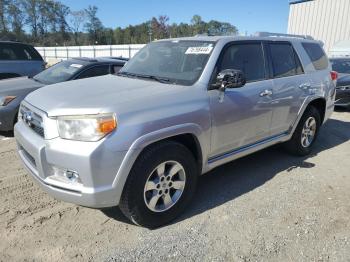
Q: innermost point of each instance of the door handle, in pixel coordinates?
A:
(305, 86)
(266, 93)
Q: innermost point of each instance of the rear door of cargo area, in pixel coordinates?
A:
(19, 60)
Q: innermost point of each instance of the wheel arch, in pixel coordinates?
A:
(190, 135)
(320, 105)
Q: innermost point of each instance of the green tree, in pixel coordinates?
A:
(198, 25)
(77, 19)
(3, 20)
(31, 8)
(93, 25)
(16, 18)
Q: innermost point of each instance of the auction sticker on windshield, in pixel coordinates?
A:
(76, 65)
(199, 50)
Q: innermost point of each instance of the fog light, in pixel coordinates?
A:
(72, 176)
(65, 175)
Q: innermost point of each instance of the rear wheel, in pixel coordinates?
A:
(306, 133)
(160, 185)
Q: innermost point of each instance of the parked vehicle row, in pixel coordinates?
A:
(14, 90)
(179, 108)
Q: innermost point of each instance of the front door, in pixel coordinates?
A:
(241, 116)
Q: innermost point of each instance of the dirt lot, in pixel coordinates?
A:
(265, 207)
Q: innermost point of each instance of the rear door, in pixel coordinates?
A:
(289, 82)
(243, 116)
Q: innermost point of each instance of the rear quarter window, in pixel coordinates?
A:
(316, 55)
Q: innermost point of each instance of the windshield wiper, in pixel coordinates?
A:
(36, 80)
(156, 78)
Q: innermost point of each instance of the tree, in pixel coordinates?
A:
(31, 8)
(3, 20)
(219, 28)
(61, 12)
(77, 20)
(16, 18)
(198, 25)
(93, 25)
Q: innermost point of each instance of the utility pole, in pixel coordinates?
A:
(150, 31)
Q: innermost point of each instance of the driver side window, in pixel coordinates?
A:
(249, 58)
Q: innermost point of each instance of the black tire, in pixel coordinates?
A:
(294, 146)
(132, 202)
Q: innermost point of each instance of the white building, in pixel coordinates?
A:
(325, 20)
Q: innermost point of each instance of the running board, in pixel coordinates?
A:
(242, 151)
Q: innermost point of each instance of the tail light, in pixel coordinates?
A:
(334, 75)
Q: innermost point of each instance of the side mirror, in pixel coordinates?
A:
(230, 78)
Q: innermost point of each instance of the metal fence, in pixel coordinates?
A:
(66, 52)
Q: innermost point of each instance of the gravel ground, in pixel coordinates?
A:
(265, 207)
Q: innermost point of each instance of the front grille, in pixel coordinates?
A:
(32, 120)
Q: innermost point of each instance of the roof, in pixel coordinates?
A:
(101, 60)
(293, 2)
(290, 38)
(13, 42)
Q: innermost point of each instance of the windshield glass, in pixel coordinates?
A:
(179, 62)
(60, 72)
(341, 66)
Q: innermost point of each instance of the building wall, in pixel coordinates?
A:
(325, 20)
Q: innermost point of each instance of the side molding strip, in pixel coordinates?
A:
(244, 148)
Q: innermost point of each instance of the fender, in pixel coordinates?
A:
(301, 112)
(142, 142)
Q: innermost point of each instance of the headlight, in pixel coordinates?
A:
(5, 100)
(88, 128)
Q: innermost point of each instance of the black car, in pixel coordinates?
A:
(342, 66)
(14, 90)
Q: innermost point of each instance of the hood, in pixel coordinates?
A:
(99, 95)
(18, 86)
(343, 80)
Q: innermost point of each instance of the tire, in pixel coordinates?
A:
(297, 145)
(137, 203)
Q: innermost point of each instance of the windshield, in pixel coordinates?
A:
(341, 66)
(60, 72)
(179, 62)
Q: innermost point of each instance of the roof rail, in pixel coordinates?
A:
(267, 34)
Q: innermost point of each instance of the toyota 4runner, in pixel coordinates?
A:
(178, 109)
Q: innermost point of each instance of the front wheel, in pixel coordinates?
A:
(160, 185)
(306, 133)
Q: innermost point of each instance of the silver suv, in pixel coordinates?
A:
(178, 109)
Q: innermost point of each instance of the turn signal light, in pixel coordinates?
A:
(107, 126)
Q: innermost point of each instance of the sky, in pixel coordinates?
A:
(249, 16)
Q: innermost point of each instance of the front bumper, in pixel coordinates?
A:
(343, 98)
(7, 117)
(96, 163)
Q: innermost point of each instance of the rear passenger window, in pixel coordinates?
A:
(316, 55)
(284, 60)
(248, 58)
(14, 51)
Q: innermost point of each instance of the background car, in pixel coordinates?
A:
(342, 66)
(13, 91)
(18, 59)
